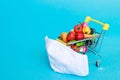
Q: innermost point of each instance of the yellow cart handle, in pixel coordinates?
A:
(105, 26)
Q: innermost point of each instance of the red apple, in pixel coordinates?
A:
(70, 36)
(79, 36)
(78, 28)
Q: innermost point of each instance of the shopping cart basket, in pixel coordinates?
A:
(94, 41)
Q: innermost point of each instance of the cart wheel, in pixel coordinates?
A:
(97, 63)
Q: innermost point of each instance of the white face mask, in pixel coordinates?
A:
(64, 60)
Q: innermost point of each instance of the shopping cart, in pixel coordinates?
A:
(93, 42)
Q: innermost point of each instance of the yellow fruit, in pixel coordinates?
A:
(86, 30)
(63, 36)
(64, 39)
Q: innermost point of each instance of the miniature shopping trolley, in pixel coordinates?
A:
(94, 41)
(65, 60)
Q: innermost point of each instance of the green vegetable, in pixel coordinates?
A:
(80, 44)
(73, 41)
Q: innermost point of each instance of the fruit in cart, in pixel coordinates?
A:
(73, 40)
(75, 48)
(78, 28)
(79, 36)
(79, 44)
(70, 36)
(63, 36)
(64, 39)
(86, 30)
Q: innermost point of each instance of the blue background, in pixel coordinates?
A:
(25, 23)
